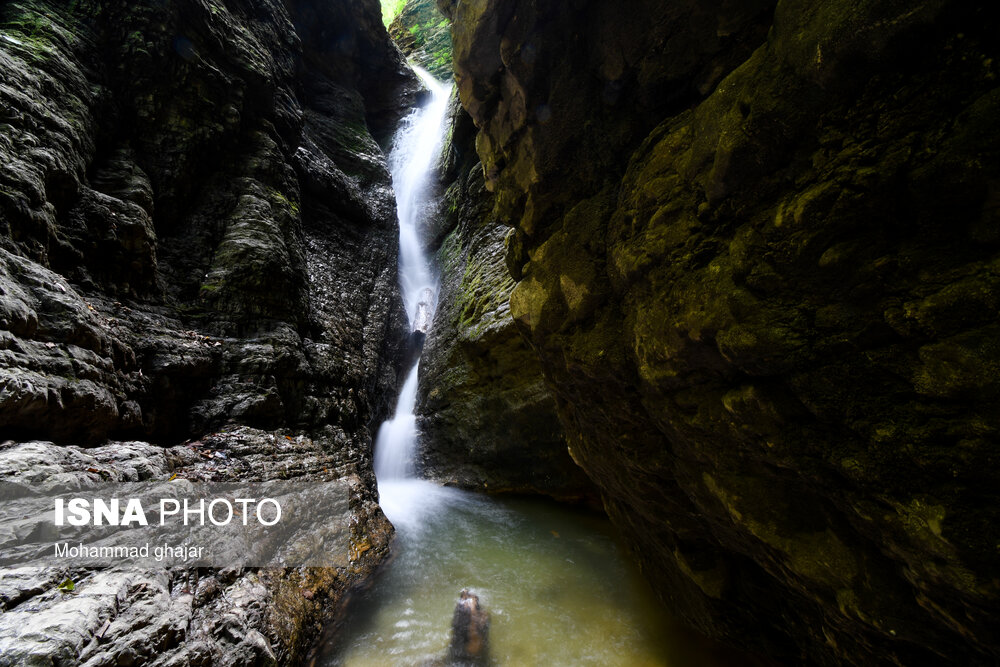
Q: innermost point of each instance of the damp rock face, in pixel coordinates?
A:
(754, 247)
(231, 616)
(487, 419)
(197, 224)
(197, 233)
(424, 35)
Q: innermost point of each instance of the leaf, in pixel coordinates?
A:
(172, 477)
(67, 586)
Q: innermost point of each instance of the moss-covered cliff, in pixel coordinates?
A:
(424, 35)
(755, 250)
(197, 232)
(487, 419)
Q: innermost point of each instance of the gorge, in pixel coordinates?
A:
(725, 270)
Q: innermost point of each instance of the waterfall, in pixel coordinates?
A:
(411, 161)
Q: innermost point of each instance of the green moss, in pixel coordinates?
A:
(354, 136)
(284, 202)
(31, 30)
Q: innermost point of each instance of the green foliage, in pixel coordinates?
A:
(390, 8)
(419, 33)
(67, 586)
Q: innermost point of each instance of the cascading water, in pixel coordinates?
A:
(417, 146)
(559, 590)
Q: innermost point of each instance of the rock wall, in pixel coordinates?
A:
(424, 35)
(169, 616)
(197, 231)
(755, 250)
(486, 418)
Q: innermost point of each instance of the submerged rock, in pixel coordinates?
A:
(470, 632)
(754, 246)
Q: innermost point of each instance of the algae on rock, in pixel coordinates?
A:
(486, 418)
(755, 249)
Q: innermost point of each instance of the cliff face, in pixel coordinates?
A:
(755, 250)
(182, 175)
(197, 230)
(486, 417)
(424, 35)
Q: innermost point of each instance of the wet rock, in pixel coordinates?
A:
(58, 376)
(470, 632)
(488, 420)
(44, 467)
(197, 232)
(425, 311)
(752, 253)
(226, 617)
(172, 260)
(424, 35)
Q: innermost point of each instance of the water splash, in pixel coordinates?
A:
(397, 437)
(413, 156)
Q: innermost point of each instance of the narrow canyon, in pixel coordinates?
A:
(705, 292)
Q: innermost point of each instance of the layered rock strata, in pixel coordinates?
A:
(197, 231)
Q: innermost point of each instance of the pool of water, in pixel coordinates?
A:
(555, 581)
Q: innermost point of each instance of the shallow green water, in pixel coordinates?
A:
(554, 580)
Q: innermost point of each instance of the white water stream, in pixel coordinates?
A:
(558, 588)
(417, 146)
